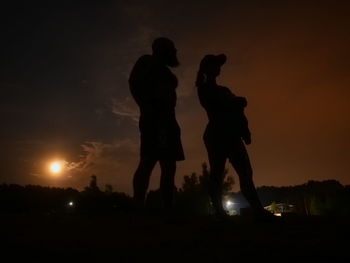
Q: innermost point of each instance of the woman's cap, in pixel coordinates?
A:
(218, 60)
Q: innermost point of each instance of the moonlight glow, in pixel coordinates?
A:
(56, 167)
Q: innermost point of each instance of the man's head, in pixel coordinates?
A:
(164, 49)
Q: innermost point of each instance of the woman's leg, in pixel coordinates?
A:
(216, 178)
(240, 161)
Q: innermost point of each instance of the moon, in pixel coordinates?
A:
(56, 167)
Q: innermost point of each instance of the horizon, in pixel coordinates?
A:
(102, 187)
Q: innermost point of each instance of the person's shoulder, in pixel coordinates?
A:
(143, 60)
(140, 68)
(142, 64)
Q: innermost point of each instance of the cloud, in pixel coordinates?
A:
(111, 162)
(126, 109)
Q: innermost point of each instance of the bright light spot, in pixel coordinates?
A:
(71, 203)
(278, 214)
(229, 203)
(56, 167)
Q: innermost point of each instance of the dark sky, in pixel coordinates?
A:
(64, 92)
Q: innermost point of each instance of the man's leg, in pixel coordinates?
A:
(167, 185)
(141, 179)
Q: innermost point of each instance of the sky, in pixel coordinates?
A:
(65, 96)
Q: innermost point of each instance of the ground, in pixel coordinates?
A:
(122, 238)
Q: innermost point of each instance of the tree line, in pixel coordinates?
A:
(312, 198)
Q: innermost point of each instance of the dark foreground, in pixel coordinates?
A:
(47, 238)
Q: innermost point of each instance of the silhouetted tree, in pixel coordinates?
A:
(273, 207)
(190, 183)
(108, 189)
(194, 182)
(93, 184)
(193, 196)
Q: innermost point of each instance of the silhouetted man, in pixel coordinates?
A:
(153, 86)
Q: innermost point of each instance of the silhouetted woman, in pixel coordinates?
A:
(226, 134)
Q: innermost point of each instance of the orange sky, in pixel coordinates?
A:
(290, 59)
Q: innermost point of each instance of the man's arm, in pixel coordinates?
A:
(139, 81)
(240, 103)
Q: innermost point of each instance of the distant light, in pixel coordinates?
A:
(71, 203)
(229, 203)
(278, 214)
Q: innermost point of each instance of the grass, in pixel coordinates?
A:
(183, 239)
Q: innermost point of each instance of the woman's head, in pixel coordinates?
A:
(210, 67)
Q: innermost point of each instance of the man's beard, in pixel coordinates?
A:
(173, 62)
